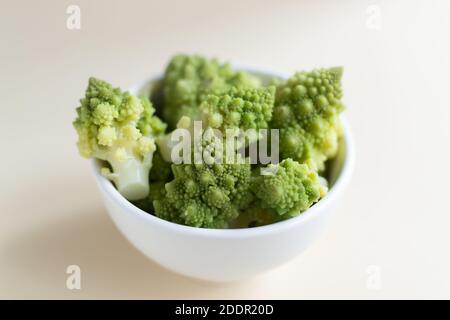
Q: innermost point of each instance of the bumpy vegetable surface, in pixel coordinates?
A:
(120, 128)
(189, 78)
(292, 189)
(239, 108)
(204, 195)
(306, 112)
(211, 192)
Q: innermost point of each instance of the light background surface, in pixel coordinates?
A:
(394, 216)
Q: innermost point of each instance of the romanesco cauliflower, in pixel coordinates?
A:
(237, 108)
(242, 108)
(204, 195)
(292, 189)
(120, 128)
(307, 114)
(189, 78)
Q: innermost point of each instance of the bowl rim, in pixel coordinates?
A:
(311, 213)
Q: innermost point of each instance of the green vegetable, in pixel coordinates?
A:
(292, 189)
(119, 128)
(188, 79)
(212, 195)
(239, 108)
(307, 108)
(204, 195)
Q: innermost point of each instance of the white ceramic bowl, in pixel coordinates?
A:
(225, 255)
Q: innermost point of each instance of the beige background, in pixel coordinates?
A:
(395, 215)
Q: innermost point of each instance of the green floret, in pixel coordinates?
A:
(189, 78)
(149, 124)
(290, 190)
(212, 194)
(242, 108)
(198, 174)
(119, 128)
(247, 108)
(307, 108)
(207, 196)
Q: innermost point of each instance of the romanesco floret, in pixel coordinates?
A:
(241, 108)
(237, 108)
(210, 191)
(119, 128)
(189, 78)
(292, 189)
(307, 108)
(149, 124)
(204, 195)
